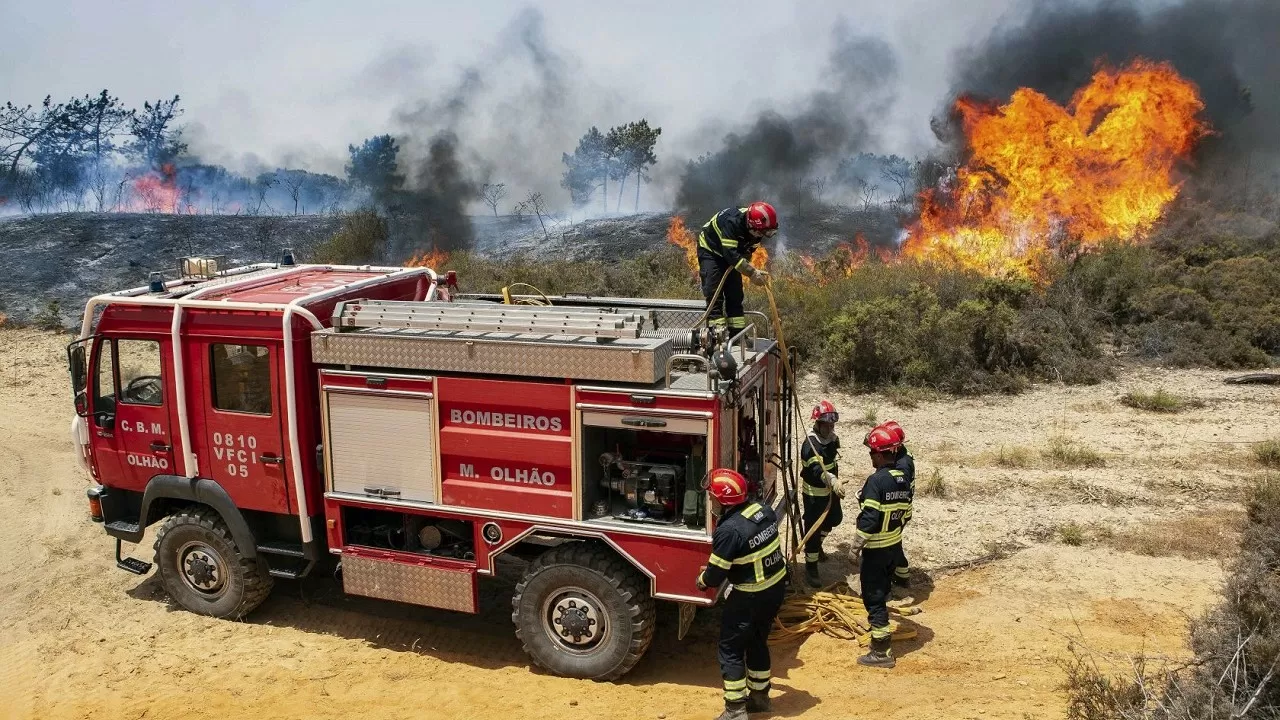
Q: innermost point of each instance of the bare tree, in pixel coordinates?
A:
(294, 181)
(818, 186)
(492, 194)
(520, 209)
(867, 193)
(535, 202)
(898, 174)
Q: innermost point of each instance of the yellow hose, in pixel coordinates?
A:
(834, 610)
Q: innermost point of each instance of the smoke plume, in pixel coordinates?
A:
(776, 154)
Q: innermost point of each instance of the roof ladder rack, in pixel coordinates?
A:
(484, 317)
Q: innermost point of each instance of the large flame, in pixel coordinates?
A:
(434, 258)
(1040, 174)
(158, 192)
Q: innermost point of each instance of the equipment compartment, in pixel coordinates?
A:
(644, 469)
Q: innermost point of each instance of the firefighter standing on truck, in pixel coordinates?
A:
(884, 508)
(725, 246)
(821, 488)
(745, 551)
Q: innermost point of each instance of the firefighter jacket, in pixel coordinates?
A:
(813, 464)
(726, 235)
(745, 550)
(884, 507)
(907, 465)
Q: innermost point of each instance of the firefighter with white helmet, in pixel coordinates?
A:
(745, 550)
(821, 490)
(884, 507)
(725, 246)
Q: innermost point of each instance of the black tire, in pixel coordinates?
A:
(202, 569)
(612, 615)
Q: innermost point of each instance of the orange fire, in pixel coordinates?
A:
(157, 192)
(760, 258)
(433, 258)
(681, 237)
(1040, 174)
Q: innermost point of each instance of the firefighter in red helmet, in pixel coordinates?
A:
(884, 507)
(745, 551)
(821, 488)
(725, 246)
(907, 464)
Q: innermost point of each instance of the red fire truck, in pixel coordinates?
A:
(273, 417)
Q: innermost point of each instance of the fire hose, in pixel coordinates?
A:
(834, 610)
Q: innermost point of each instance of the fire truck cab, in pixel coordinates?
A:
(273, 417)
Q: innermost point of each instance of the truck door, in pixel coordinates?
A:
(130, 429)
(243, 444)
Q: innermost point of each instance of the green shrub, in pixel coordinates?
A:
(362, 239)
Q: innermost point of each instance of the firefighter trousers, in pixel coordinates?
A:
(727, 308)
(745, 623)
(813, 507)
(876, 576)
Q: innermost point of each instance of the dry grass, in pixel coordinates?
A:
(935, 485)
(1159, 401)
(1071, 534)
(1215, 535)
(908, 397)
(869, 417)
(1014, 456)
(1064, 452)
(1091, 406)
(1267, 453)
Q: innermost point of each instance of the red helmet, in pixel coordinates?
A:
(896, 430)
(882, 439)
(727, 486)
(762, 216)
(824, 412)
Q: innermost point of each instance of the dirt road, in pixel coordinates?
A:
(81, 639)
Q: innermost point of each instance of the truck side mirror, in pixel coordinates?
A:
(77, 365)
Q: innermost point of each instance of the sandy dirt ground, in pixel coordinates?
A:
(81, 639)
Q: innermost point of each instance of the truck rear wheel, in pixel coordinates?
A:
(580, 611)
(202, 569)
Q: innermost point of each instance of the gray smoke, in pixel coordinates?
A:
(505, 118)
(775, 156)
(1226, 47)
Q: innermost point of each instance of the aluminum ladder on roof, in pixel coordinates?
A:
(487, 317)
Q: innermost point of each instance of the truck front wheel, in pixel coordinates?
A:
(580, 611)
(202, 569)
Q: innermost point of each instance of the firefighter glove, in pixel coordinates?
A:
(839, 490)
(759, 277)
(855, 545)
(701, 585)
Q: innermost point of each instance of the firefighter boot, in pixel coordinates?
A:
(811, 574)
(733, 711)
(758, 701)
(879, 655)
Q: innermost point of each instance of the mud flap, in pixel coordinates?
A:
(687, 611)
